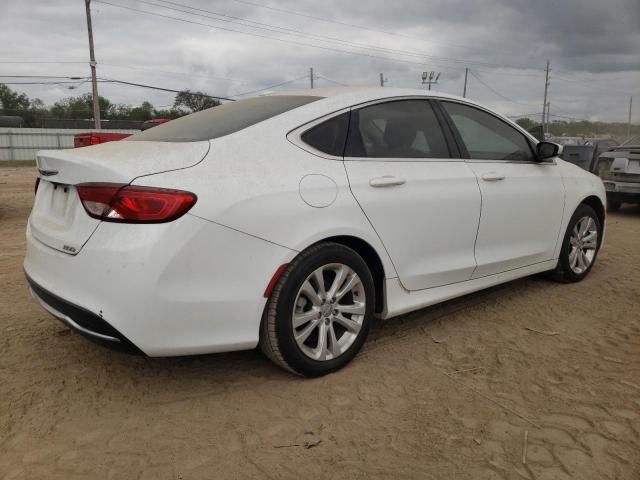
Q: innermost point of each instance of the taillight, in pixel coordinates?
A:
(94, 139)
(117, 202)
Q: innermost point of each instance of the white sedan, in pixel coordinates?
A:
(289, 221)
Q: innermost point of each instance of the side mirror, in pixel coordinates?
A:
(545, 150)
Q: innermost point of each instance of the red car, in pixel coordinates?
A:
(93, 138)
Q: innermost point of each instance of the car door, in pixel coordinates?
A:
(522, 199)
(423, 203)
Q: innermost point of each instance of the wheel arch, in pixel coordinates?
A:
(371, 258)
(594, 202)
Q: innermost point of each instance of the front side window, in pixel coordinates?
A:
(487, 137)
(397, 129)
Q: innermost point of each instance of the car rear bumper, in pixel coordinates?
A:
(179, 288)
(83, 321)
(622, 187)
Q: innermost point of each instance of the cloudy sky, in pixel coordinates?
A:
(231, 47)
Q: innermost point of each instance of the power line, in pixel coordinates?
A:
(495, 91)
(151, 87)
(39, 61)
(42, 76)
(40, 83)
(539, 73)
(163, 89)
(278, 29)
(269, 87)
(127, 67)
(570, 118)
(345, 24)
(332, 81)
(293, 42)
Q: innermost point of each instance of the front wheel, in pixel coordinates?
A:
(319, 313)
(580, 245)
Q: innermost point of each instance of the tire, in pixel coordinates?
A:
(569, 268)
(289, 302)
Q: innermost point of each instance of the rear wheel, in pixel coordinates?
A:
(319, 314)
(580, 245)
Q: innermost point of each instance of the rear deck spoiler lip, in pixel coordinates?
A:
(47, 173)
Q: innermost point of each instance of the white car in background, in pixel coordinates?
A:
(289, 221)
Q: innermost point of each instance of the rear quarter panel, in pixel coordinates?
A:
(250, 181)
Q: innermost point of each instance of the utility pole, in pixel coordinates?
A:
(430, 78)
(544, 103)
(629, 121)
(464, 90)
(92, 63)
(311, 77)
(548, 115)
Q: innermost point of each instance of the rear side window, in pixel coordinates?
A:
(329, 136)
(223, 120)
(487, 137)
(397, 129)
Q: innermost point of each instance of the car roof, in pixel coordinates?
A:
(336, 98)
(353, 95)
(366, 92)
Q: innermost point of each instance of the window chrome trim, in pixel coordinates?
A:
(294, 136)
(520, 162)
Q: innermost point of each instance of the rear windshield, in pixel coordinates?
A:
(223, 120)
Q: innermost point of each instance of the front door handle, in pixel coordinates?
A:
(386, 181)
(492, 177)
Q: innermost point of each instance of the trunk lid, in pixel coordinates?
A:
(58, 218)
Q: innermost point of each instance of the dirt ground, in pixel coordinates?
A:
(448, 392)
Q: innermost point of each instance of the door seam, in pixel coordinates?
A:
(475, 243)
(346, 172)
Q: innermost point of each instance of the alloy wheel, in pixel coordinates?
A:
(328, 311)
(583, 244)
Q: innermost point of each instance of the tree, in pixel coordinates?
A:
(526, 123)
(143, 112)
(194, 101)
(81, 107)
(171, 113)
(12, 102)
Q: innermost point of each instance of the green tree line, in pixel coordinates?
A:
(81, 107)
(185, 102)
(582, 128)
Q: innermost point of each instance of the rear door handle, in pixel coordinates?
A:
(492, 177)
(386, 181)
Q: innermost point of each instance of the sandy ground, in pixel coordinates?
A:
(71, 409)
